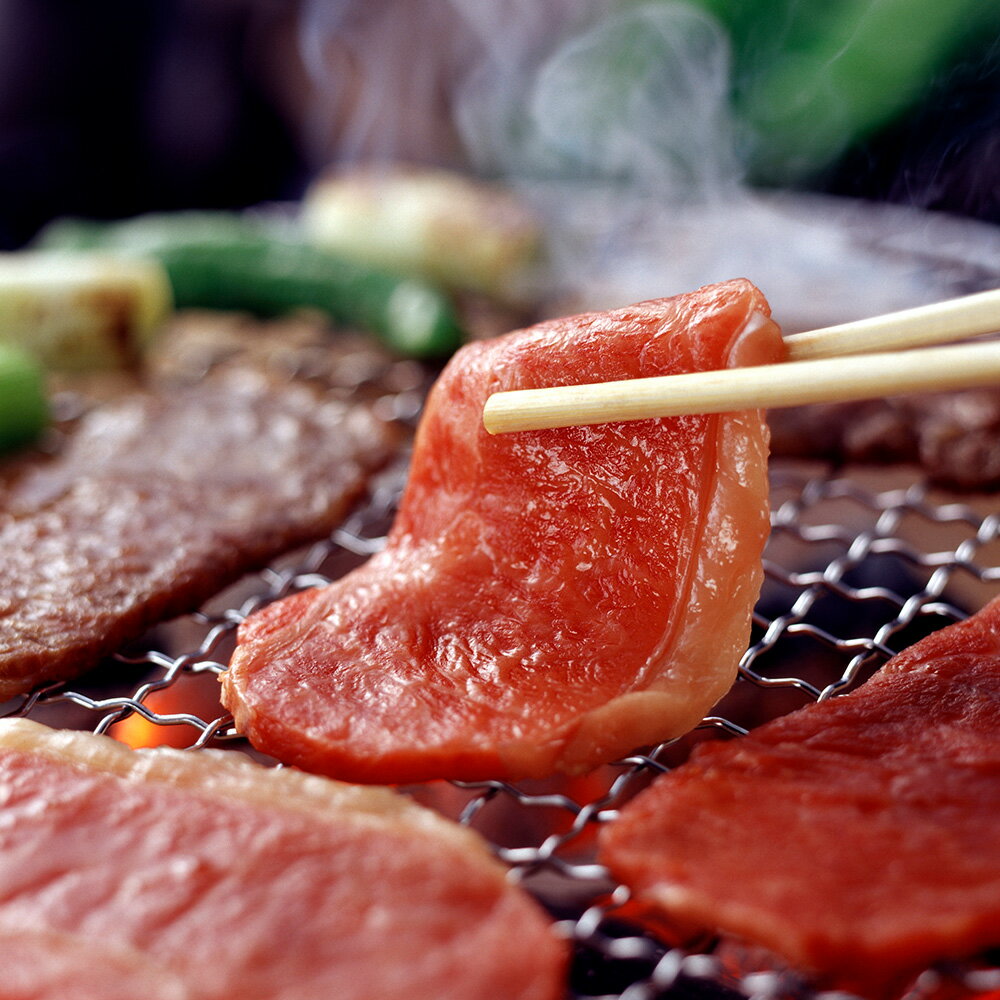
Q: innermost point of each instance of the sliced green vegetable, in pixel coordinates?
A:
(24, 409)
(231, 261)
(271, 278)
(153, 232)
(81, 311)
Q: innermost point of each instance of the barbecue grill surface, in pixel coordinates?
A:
(859, 565)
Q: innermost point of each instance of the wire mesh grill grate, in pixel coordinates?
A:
(857, 568)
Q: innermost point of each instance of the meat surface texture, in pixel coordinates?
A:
(238, 880)
(46, 965)
(159, 500)
(547, 601)
(859, 837)
(953, 436)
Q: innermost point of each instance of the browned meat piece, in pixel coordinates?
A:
(159, 500)
(301, 347)
(953, 436)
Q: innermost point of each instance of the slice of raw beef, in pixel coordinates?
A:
(547, 600)
(240, 880)
(859, 837)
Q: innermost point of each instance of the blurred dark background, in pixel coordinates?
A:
(116, 107)
(941, 154)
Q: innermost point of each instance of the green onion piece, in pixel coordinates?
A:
(24, 408)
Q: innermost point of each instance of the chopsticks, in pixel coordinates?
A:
(936, 323)
(884, 356)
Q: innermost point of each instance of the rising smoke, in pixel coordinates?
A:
(614, 120)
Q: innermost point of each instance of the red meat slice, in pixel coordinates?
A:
(252, 882)
(45, 965)
(548, 600)
(859, 837)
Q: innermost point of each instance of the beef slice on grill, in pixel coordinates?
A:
(545, 601)
(858, 837)
(244, 881)
(160, 499)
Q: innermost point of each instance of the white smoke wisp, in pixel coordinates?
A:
(381, 73)
(612, 119)
(514, 39)
(642, 97)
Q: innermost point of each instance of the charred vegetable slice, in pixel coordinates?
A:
(77, 312)
(269, 278)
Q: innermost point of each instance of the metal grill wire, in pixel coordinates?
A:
(853, 573)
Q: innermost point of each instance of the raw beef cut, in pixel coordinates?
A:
(159, 500)
(45, 965)
(548, 600)
(859, 837)
(240, 880)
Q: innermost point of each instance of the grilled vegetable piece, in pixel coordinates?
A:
(148, 234)
(78, 312)
(24, 408)
(261, 883)
(232, 261)
(270, 278)
(447, 228)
